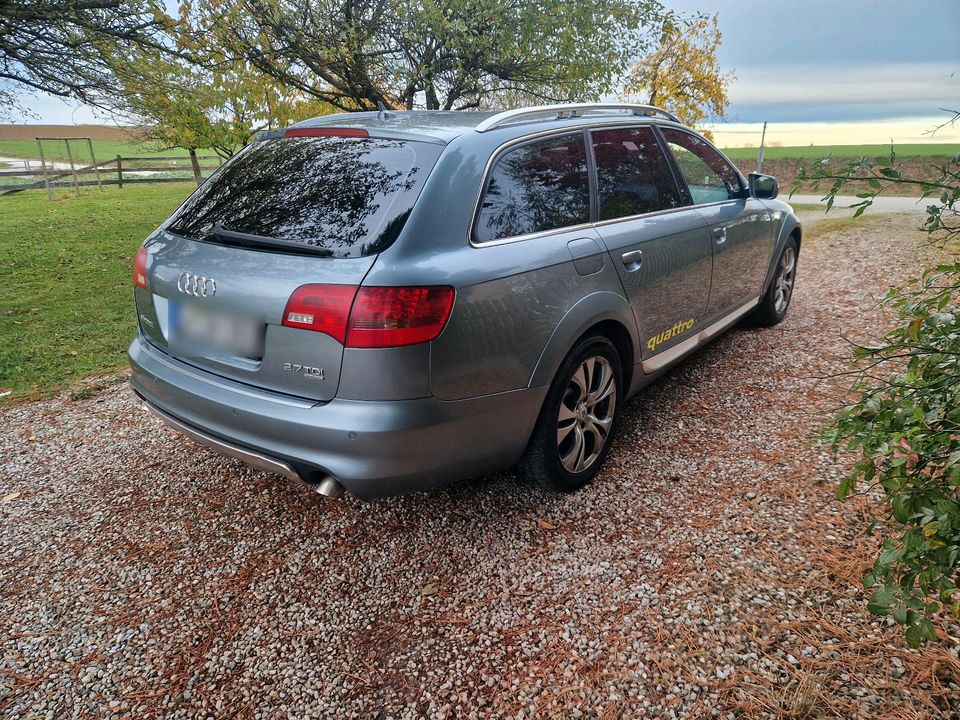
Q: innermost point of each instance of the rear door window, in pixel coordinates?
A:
(539, 186)
(709, 176)
(633, 174)
(345, 196)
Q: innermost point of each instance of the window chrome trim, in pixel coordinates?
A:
(625, 121)
(488, 169)
(642, 216)
(532, 236)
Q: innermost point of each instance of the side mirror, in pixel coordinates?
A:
(764, 187)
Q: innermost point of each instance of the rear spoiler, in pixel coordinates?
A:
(312, 132)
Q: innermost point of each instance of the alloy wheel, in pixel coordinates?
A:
(784, 281)
(586, 414)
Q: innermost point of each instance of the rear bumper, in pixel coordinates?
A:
(371, 448)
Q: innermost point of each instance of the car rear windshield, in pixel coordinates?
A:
(339, 196)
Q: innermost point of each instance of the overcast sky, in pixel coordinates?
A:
(866, 69)
(828, 60)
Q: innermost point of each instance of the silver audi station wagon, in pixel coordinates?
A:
(383, 302)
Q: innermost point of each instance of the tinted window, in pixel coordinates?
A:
(539, 186)
(633, 176)
(709, 176)
(348, 195)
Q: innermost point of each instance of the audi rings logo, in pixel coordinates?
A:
(196, 285)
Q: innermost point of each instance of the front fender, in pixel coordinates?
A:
(587, 312)
(789, 224)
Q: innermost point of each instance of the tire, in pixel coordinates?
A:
(551, 460)
(776, 301)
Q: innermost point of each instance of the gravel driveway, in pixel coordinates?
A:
(707, 572)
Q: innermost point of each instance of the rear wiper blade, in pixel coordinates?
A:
(235, 237)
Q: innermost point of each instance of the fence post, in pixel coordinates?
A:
(119, 172)
(73, 168)
(196, 166)
(763, 142)
(93, 161)
(43, 164)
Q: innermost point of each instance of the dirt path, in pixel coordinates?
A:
(706, 573)
(881, 204)
(21, 165)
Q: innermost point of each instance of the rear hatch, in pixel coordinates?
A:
(313, 207)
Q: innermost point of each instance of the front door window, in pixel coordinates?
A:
(709, 177)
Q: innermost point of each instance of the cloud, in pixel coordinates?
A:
(817, 92)
(929, 82)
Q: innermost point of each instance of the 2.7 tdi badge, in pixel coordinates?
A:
(314, 373)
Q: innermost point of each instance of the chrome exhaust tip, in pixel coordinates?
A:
(329, 487)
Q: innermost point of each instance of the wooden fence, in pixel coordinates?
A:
(118, 171)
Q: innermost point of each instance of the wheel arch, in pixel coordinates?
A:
(606, 313)
(790, 228)
(797, 235)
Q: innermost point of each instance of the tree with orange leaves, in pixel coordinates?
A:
(682, 73)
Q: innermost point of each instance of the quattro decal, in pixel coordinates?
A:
(678, 329)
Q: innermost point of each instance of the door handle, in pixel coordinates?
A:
(633, 259)
(720, 234)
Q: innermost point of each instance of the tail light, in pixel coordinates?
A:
(371, 317)
(324, 308)
(140, 268)
(392, 316)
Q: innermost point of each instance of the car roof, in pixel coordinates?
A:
(436, 125)
(443, 126)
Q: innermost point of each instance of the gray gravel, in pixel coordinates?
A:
(706, 573)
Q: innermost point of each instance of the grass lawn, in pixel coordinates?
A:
(103, 149)
(845, 151)
(65, 281)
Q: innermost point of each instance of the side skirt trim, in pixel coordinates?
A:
(670, 355)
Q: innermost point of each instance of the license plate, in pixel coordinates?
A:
(202, 331)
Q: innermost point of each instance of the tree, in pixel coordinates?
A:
(438, 54)
(682, 73)
(58, 46)
(901, 418)
(211, 101)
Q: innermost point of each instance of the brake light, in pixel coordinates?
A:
(140, 268)
(394, 316)
(326, 132)
(323, 308)
(371, 317)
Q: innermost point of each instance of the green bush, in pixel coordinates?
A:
(903, 422)
(904, 426)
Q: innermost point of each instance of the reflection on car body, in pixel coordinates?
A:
(384, 302)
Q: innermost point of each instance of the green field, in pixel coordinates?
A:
(65, 281)
(102, 149)
(845, 151)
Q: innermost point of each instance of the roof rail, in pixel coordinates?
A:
(570, 110)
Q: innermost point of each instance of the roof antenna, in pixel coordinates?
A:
(382, 113)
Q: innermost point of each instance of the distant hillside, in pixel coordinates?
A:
(96, 132)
